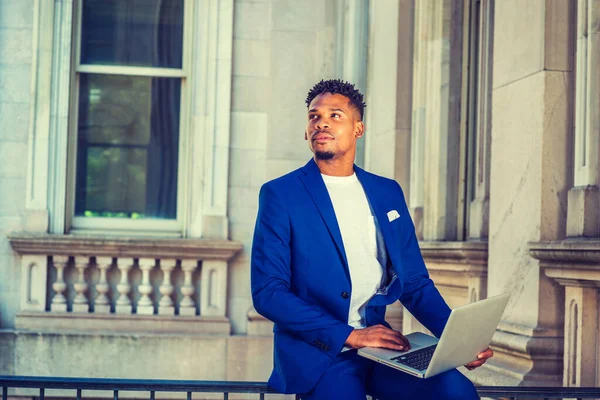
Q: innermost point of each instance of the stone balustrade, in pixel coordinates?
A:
(73, 282)
(575, 265)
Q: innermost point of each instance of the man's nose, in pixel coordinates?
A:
(322, 123)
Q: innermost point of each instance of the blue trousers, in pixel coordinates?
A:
(352, 377)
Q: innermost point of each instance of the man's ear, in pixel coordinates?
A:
(360, 129)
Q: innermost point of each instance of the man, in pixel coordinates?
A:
(333, 246)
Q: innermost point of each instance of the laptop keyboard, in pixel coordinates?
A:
(418, 359)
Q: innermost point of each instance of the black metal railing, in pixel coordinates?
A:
(151, 386)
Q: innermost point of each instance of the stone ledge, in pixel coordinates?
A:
(455, 252)
(119, 324)
(76, 245)
(570, 251)
(573, 262)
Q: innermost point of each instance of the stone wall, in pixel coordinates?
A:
(16, 28)
(281, 48)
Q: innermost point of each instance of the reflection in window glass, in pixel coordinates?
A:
(127, 149)
(145, 33)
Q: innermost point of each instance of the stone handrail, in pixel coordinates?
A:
(82, 282)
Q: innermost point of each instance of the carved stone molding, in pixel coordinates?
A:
(568, 253)
(455, 252)
(74, 245)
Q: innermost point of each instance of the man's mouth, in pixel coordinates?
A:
(319, 137)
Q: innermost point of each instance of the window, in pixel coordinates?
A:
(128, 101)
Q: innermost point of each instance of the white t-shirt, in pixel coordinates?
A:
(357, 227)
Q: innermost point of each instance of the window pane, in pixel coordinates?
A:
(127, 147)
(145, 33)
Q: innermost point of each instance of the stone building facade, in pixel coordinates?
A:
(486, 112)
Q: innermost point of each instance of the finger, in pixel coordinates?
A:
(487, 353)
(405, 340)
(390, 341)
(388, 338)
(475, 364)
(396, 336)
(393, 346)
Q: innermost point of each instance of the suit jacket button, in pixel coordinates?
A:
(345, 295)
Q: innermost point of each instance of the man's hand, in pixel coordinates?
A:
(481, 359)
(377, 336)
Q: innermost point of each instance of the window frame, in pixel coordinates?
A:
(144, 227)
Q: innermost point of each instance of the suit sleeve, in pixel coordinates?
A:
(270, 281)
(420, 296)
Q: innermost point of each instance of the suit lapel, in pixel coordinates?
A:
(313, 182)
(376, 199)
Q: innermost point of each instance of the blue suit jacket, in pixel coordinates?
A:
(300, 278)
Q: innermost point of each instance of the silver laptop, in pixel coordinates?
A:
(468, 331)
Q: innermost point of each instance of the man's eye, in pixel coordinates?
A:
(313, 116)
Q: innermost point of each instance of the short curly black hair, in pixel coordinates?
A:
(337, 86)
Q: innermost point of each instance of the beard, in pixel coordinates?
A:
(324, 155)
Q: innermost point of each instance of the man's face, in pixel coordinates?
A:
(333, 127)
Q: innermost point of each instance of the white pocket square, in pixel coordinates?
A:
(392, 215)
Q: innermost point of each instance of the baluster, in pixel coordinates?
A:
(123, 302)
(187, 306)
(102, 303)
(59, 301)
(80, 302)
(145, 305)
(165, 306)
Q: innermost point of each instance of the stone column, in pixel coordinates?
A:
(581, 329)
(210, 115)
(529, 181)
(575, 265)
(479, 168)
(416, 199)
(388, 112)
(584, 197)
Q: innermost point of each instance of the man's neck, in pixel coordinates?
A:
(335, 167)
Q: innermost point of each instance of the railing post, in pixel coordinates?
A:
(187, 306)
(213, 291)
(102, 303)
(80, 302)
(59, 301)
(123, 302)
(145, 306)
